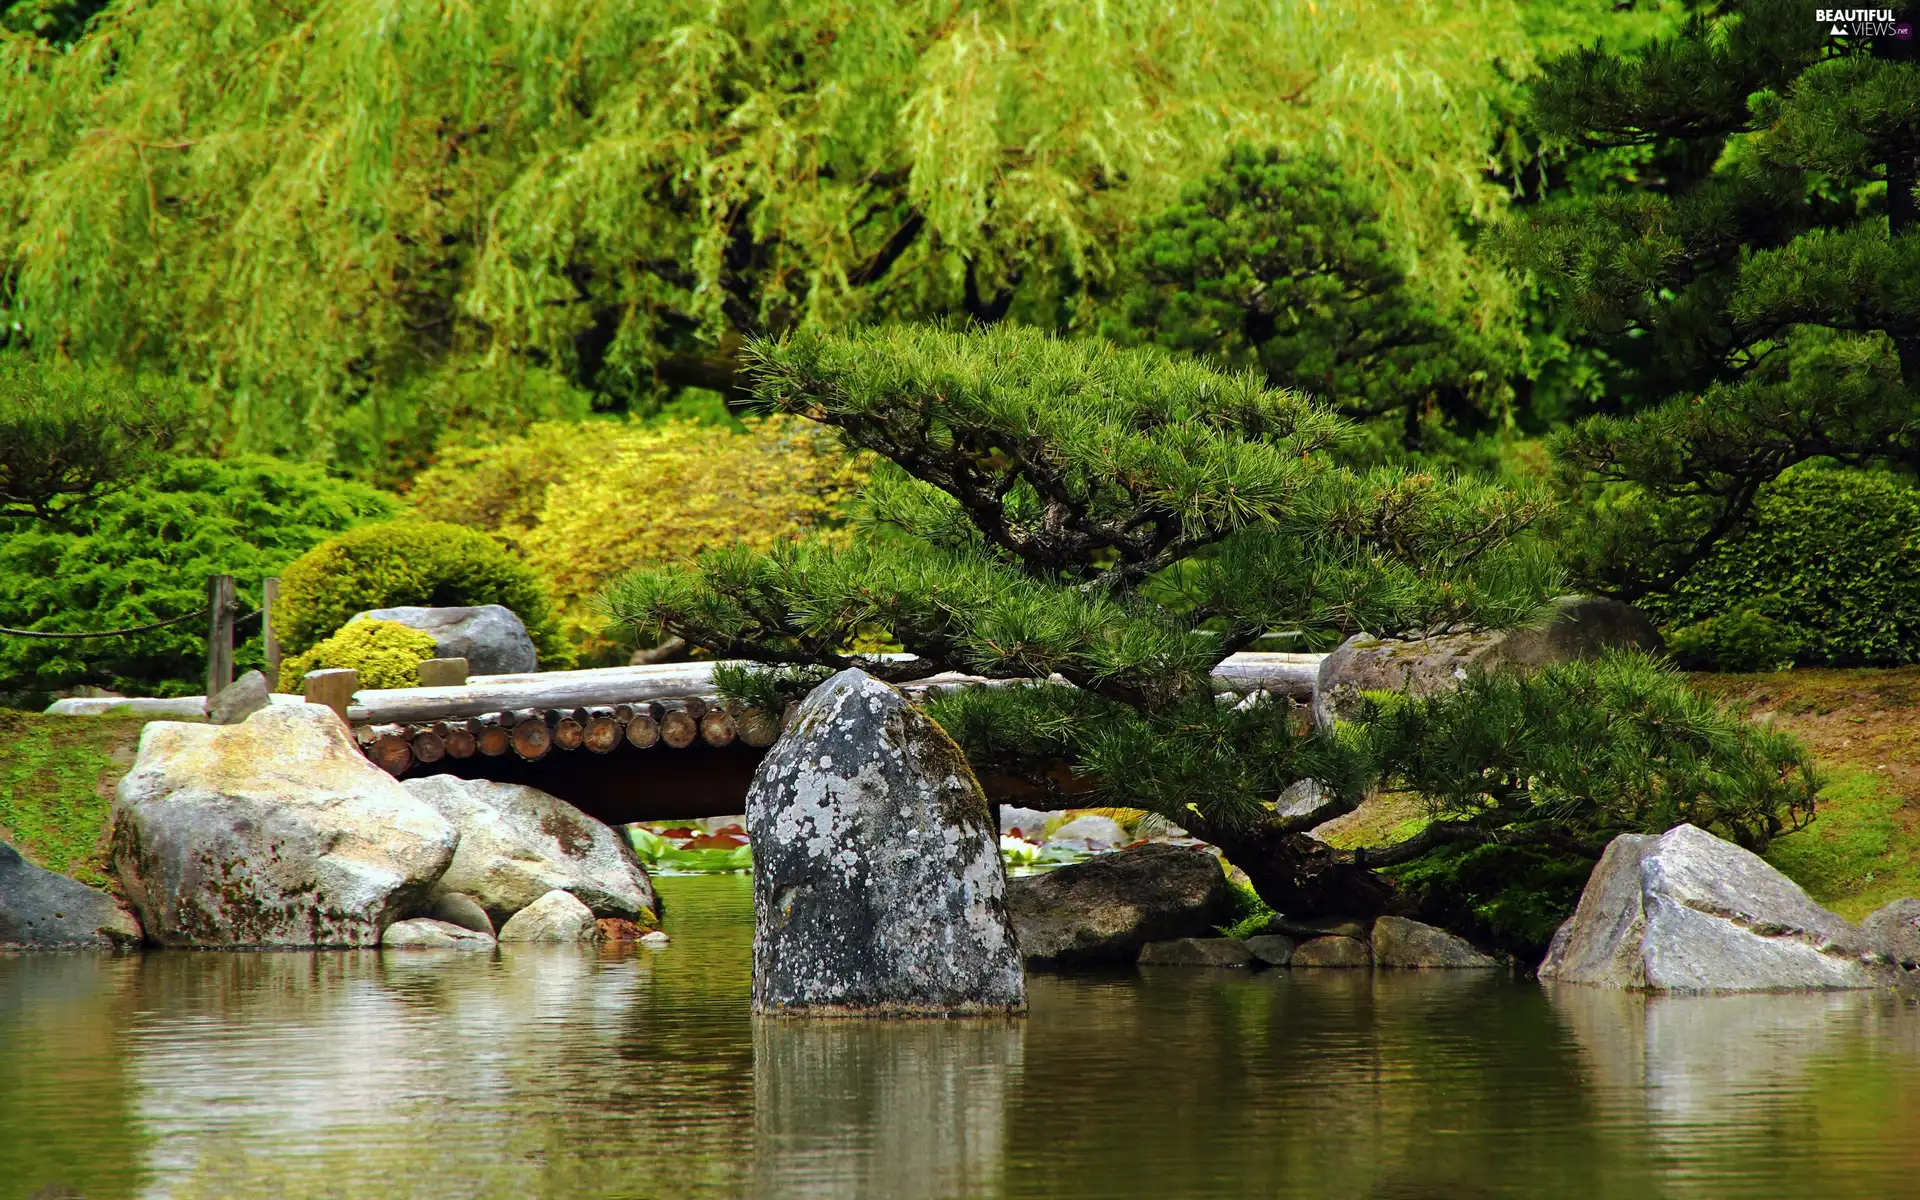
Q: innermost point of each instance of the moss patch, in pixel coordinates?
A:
(57, 776)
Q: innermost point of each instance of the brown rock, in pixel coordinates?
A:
(1196, 952)
(1333, 952)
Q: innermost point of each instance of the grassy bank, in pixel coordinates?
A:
(57, 776)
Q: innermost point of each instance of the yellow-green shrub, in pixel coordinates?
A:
(583, 503)
(386, 653)
(430, 563)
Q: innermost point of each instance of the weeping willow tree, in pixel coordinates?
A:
(336, 214)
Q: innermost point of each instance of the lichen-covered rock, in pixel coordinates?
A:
(425, 933)
(1196, 952)
(1332, 952)
(517, 844)
(877, 884)
(1895, 929)
(240, 699)
(273, 832)
(554, 917)
(1105, 909)
(491, 637)
(40, 910)
(1573, 627)
(458, 908)
(1689, 912)
(1398, 942)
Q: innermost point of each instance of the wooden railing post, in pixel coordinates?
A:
(220, 616)
(269, 636)
(333, 687)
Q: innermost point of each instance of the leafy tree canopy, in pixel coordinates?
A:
(1760, 294)
(69, 437)
(307, 205)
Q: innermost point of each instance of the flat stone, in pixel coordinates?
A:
(1332, 952)
(517, 844)
(1398, 942)
(656, 939)
(240, 699)
(42, 910)
(1196, 952)
(877, 882)
(1303, 928)
(1572, 627)
(458, 908)
(554, 917)
(1273, 949)
(490, 637)
(1104, 910)
(1689, 912)
(425, 933)
(1895, 929)
(273, 832)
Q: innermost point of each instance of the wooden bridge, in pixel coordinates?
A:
(644, 743)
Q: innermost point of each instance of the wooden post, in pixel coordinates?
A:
(269, 636)
(333, 687)
(220, 616)
(443, 672)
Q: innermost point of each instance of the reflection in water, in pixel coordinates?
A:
(558, 1073)
(891, 1109)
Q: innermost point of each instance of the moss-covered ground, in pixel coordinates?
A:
(57, 776)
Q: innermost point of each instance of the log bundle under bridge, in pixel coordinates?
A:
(641, 743)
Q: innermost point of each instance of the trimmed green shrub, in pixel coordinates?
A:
(386, 653)
(143, 554)
(1831, 562)
(430, 563)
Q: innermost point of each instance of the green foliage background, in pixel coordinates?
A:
(387, 654)
(144, 554)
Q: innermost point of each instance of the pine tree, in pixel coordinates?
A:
(1761, 291)
(1120, 521)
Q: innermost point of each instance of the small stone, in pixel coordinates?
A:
(425, 933)
(1274, 949)
(1896, 930)
(1029, 821)
(656, 938)
(1093, 829)
(1314, 927)
(1196, 952)
(458, 908)
(619, 929)
(240, 699)
(1332, 952)
(1305, 804)
(554, 917)
(1398, 942)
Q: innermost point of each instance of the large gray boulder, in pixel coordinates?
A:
(877, 884)
(40, 910)
(273, 832)
(1895, 930)
(1105, 909)
(1688, 912)
(517, 844)
(1572, 627)
(490, 637)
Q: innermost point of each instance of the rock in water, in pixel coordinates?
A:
(1274, 949)
(1196, 952)
(273, 832)
(1105, 909)
(554, 917)
(1895, 929)
(490, 637)
(877, 884)
(240, 699)
(1574, 627)
(458, 908)
(517, 844)
(1332, 952)
(40, 910)
(1398, 942)
(425, 933)
(1688, 912)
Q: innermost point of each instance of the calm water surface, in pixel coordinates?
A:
(561, 1074)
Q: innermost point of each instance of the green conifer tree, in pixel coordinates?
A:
(1760, 292)
(1121, 521)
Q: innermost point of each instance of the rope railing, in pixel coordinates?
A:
(202, 611)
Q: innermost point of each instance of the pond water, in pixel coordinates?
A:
(641, 1074)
